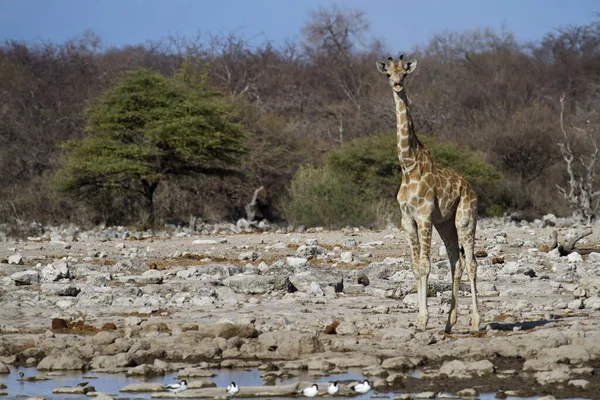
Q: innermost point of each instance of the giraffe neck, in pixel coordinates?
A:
(408, 143)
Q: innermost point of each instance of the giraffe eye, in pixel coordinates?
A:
(388, 75)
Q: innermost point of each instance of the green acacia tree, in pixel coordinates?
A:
(146, 128)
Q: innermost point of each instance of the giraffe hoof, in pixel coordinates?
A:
(475, 323)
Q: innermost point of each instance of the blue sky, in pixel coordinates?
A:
(400, 24)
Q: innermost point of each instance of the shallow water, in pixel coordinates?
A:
(112, 383)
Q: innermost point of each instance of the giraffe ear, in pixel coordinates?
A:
(410, 66)
(382, 67)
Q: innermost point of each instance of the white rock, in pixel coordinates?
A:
(375, 243)
(29, 276)
(575, 304)
(574, 257)
(248, 255)
(296, 262)
(594, 256)
(53, 273)
(555, 254)
(187, 273)
(204, 241)
(263, 267)
(579, 293)
(16, 259)
(411, 299)
(315, 289)
(513, 268)
(442, 251)
(592, 303)
(65, 304)
(580, 383)
(132, 320)
(346, 257)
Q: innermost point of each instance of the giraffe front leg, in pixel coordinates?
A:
(410, 227)
(422, 269)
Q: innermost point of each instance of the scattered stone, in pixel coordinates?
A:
(296, 262)
(465, 369)
(28, 277)
(143, 388)
(331, 328)
(248, 255)
(579, 383)
(362, 279)
(16, 259)
(145, 370)
(350, 243)
(109, 326)
(59, 323)
(69, 291)
(315, 289)
(346, 257)
(204, 241)
(425, 395)
(574, 257)
(469, 392)
(70, 390)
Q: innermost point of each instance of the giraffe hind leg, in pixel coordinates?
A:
(465, 227)
(447, 231)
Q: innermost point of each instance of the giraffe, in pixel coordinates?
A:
(432, 195)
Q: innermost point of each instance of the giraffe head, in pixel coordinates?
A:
(396, 72)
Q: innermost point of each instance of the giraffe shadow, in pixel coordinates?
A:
(521, 326)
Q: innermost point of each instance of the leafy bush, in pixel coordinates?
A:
(359, 182)
(321, 196)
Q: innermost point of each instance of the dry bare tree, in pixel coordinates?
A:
(581, 193)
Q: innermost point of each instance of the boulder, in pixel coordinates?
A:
(228, 330)
(143, 388)
(250, 284)
(56, 271)
(61, 362)
(289, 345)
(400, 363)
(465, 369)
(16, 259)
(28, 277)
(559, 373)
(145, 370)
(120, 360)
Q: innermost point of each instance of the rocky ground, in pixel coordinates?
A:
(113, 301)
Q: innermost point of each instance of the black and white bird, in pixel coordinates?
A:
(333, 388)
(82, 384)
(176, 387)
(233, 389)
(311, 391)
(362, 388)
